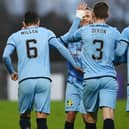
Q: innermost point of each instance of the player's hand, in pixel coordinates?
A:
(81, 10)
(82, 6)
(14, 76)
(79, 69)
(117, 64)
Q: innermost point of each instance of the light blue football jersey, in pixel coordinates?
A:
(32, 47)
(99, 43)
(75, 50)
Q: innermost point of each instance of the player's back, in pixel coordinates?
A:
(33, 52)
(99, 49)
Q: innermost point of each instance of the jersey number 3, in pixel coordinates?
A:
(31, 51)
(99, 50)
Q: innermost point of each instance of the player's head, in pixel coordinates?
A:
(88, 18)
(31, 18)
(101, 10)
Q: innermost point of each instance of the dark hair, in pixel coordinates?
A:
(101, 10)
(31, 18)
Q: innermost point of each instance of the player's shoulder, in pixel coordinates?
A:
(50, 34)
(113, 29)
(13, 35)
(84, 28)
(44, 29)
(126, 29)
(17, 32)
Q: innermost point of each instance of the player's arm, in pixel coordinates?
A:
(79, 15)
(7, 59)
(76, 36)
(9, 49)
(8, 63)
(123, 43)
(120, 59)
(66, 37)
(120, 53)
(121, 48)
(54, 42)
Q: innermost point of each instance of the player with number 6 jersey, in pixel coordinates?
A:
(32, 48)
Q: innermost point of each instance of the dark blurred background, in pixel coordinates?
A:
(56, 15)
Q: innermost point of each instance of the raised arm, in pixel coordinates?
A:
(67, 37)
(80, 12)
(64, 52)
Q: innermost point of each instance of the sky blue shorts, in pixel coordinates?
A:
(34, 93)
(100, 92)
(73, 98)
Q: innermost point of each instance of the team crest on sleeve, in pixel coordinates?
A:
(69, 103)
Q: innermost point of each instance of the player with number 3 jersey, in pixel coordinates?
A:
(98, 51)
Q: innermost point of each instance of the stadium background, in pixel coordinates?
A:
(56, 15)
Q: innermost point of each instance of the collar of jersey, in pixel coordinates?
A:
(31, 27)
(100, 24)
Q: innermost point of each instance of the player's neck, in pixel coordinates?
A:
(100, 21)
(30, 25)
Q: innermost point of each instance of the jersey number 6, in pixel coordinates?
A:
(31, 51)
